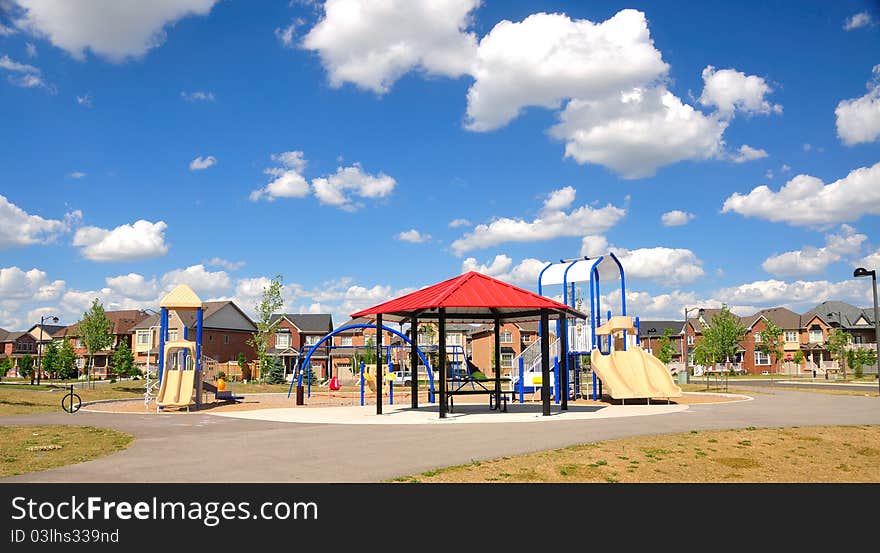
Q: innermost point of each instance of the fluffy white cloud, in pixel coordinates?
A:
(10, 65)
(16, 284)
(113, 29)
(198, 278)
(135, 286)
(497, 267)
(747, 153)
(550, 223)
(226, 264)
(806, 200)
(548, 58)
(372, 44)
(287, 34)
(858, 119)
(798, 293)
(24, 75)
(667, 266)
(812, 260)
(200, 163)
(676, 218)
(638, 131)
(857, 21)
(730, 90)
(198, 96)
(455, 223)
(288, 182)
(413, 236)
(594, 245)
(870, 261)
(19, 228)
(338, 188)
(139, 240)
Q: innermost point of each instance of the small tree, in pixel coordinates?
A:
(50, 359)
(66, 361)
(26, 367)
(724, 335)
(858, 358)
(95, 331)
(666, 349)
(838, 342)
(243, 367)
(798, 359)
(270, 303)
(771, 343)
(5, 365)
(123, 361)
(275, 374)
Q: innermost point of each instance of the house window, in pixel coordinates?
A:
(226, 338)
(690, 339)
(791, 336)
(816, 335)
(758, 338)
(143, 337)
(506, 360)
(345, 341)
(312, 339)
(453, 339)
(282, 340)
(506, 337)
(526, 338)
(172, 335)
(857, 339)
(761, 358)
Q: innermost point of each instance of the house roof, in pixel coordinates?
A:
(657, 328)
(121, 322)
(307, 322)
(48, 330)
(152, 320)
(785, 319)
(469, 296)
(3, 333)
(839, 313)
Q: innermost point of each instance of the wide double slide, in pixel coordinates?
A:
(634, 373)
(178, 382)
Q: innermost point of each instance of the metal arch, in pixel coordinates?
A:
(565, 280)
(594, 295)
(541, 276)
(305, 362)
(622, 284)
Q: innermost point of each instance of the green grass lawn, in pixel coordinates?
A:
(26, 449)
(20, 399)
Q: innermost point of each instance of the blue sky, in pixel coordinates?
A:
(219, 143)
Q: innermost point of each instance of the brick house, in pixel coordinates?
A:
(296, 331)
(350, 342)
(650, 333)
(121, 324)
(756, 361)
(514, 338)
(15, 345)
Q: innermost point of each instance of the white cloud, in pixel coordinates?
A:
(413, 236)
(747, 153)
(84, 100)
(548, 58)
(594, 245)
(288, 181)
(113, 29)
(550, 223)
(201, 163)
(497, 267)
(666, 266)
(9, 64)
(31, 49)
(24, 75)
(806, 200)
(785, 168)
(202, 281)
(858, 119)
(870, 261)
(638, 131)
(769, 174)
(198, 96)
(19, 228)
(676, 218)
(857, 21)
(226, 264)
(372, 44)
(338, 188)
(455, 223)
(560, 199)
(139, 240)
(16, 284)
(797, 293)
(812, 260)
(135, 286)
(730, 90)
(77, 175)
(287, 34)
(6, 31)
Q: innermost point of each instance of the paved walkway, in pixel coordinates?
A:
(202, 447)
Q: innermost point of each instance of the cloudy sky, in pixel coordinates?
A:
(727, 152)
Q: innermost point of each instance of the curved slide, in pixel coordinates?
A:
(634, 373)
(177, 385)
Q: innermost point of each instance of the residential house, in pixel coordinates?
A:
(349, 343)
(294, 333)
(650, 333)
(15, 345)
(756, 361)
(122, 322)
(819, 321)
(513, 339)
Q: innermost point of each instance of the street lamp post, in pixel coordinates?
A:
(862, 272)
(43, 319)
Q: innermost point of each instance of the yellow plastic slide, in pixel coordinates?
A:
(634, 373)
(370, 380)
(177, 385)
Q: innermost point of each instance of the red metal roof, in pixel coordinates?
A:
(469, 293)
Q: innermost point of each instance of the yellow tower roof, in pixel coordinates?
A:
(181, 297)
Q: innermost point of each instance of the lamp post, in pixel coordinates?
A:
(43, 319)
(862, 272)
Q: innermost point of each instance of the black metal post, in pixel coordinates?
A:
(414, 361)
(441, 357)
(498, 363)
(545, 363)
(563, 354)
(379, 368)
(876, 325)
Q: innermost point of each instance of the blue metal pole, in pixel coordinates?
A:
(638, 332)
(390, 384)
(199, 321)
(521, 376)
(594, 385)
(362, 383)
(556, 378)
(163, 331)
(309, 378)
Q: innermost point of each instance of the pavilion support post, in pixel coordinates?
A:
(379, 368)
(545, 363)
(441, 358)
(498, 363)
(414, 361)
(563, 359)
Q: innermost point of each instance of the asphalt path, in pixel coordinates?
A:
(200, 447)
